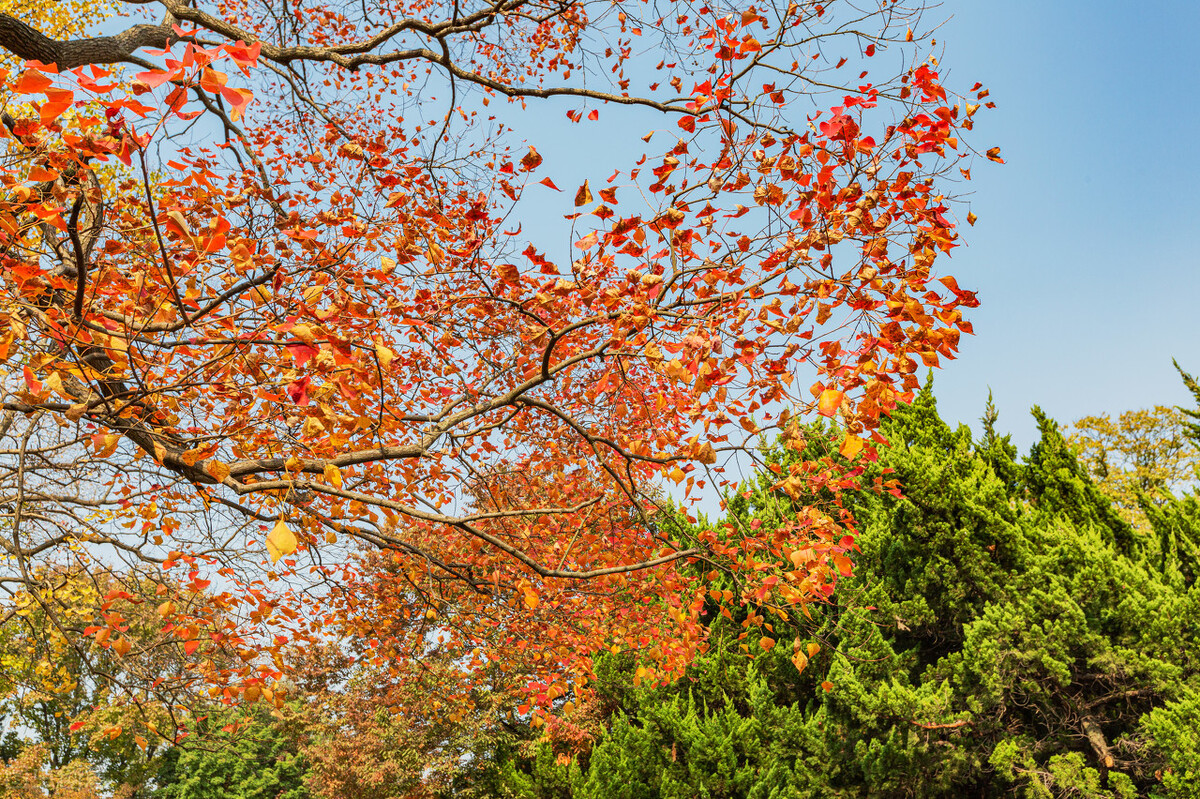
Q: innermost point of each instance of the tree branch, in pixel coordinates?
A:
(26, 42)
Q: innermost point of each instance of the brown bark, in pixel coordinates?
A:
(25, 42)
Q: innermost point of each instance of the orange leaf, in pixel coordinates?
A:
(32, 82)
(548, 183)
(531, 160)
(216, 469)
(829, 401)
(583, 196)
(59, 101)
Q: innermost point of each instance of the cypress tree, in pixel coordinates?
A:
(1004, 635)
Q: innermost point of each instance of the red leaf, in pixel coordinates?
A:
(154, 78)
(32, 82)
(547, 182)
(238, 98)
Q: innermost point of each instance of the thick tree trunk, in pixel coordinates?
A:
(25, 42)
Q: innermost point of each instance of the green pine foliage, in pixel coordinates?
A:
(237, 757)
(1005, 634)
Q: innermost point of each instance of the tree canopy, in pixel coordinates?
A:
(291, 352)
(996, 639)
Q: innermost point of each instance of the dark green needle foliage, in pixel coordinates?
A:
(257, 759)
(1005, 634)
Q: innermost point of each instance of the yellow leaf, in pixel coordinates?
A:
(677, 371)
(122, 646)
(799, 661)
(216, 469)
(281, 541)
(54, 384)
(384, 354)
(333, 475)
(435, 254)
(305, 333)
(260, 295)
(109, 446)
(813, 649)
(851, 447)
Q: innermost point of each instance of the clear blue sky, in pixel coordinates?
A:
(1087, 248)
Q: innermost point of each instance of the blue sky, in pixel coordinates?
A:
(1085, 255)
(1086, 252)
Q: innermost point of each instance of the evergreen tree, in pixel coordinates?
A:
(235, 756)
(1005, 634)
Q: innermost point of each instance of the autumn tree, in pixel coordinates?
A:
(77, 691)
(1141, 456)
(279, 289)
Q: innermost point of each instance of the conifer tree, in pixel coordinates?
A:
(1004, 635)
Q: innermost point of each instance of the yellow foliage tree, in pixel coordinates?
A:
(59, 19)
(1141, 453)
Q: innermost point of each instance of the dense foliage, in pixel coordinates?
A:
(1005, 633)
(301, 336)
